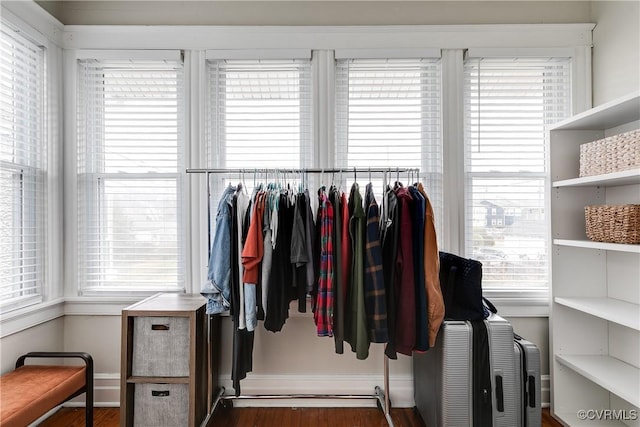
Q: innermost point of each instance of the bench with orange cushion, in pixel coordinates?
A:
(30, 391)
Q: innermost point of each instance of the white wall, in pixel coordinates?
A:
(616, 49)
(317, 12)
(48, 336)
(100, 337)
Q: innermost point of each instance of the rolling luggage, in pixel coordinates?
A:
(527, 360)
(454, 387)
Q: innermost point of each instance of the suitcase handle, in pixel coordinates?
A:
(499, 394)
(532, 391)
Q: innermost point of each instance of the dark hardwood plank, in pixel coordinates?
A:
(271, 417)
(317, 417)
(74, 417)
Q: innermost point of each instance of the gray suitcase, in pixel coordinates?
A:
(442, 376)
(527, 359)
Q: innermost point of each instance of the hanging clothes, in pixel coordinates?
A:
(356, 330)
(390, 230)
(242, 207)
(252, 254)
(242, 357)
(299, 256)
(281, 275)
(323, 314)
(435, 309)
(339, 294)
(422, 327)
(372, 271)
(267, 257)
(374, 291)
(310, 241)
(217, 289)
(404, 277)
(345, 262)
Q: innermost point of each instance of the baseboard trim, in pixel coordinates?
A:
(106, 392)
(545, 390)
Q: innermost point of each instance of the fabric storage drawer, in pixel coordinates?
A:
(161, 405)
(160, 347)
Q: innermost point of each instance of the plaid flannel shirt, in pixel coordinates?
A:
(374, 288)
(323, 314)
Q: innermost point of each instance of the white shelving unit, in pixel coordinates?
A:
(595, 313)
(598, 245)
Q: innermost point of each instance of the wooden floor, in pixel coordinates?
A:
(271, 417)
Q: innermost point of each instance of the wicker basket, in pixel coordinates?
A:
(612, 154)
(613, 223)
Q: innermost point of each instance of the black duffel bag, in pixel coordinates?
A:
(461, 285)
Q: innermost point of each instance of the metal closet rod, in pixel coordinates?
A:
(295, 170)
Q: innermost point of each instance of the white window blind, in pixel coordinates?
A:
(388, 115)
(130, 166)
(23, 171)
(259, 113)
(508, 104)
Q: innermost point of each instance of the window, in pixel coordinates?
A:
(259, 113)
(508, 104)
(23, 160)
(388, 116)
(130, 175)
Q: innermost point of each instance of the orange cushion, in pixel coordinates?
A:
(31, 390)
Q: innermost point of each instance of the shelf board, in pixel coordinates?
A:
(608, 372)
(589, 244)
(630, 176)
(611, 114)
(572, 419)
(158, 380)
(621, 312)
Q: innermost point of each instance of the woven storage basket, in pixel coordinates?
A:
(613, 223)
(612, 154)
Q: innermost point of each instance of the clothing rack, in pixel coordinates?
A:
(381, 395)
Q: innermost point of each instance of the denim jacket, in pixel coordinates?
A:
(217, 288)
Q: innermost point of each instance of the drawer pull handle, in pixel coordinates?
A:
(159, 327)
(160, 393)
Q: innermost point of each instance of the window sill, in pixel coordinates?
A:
(100, 305)
(28, 317)
(519, 303)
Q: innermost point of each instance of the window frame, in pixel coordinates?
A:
(433, 59)
(522, 301)
(72, 267)
(215, 146)
(47, 202)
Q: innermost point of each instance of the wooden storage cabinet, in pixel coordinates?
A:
(595, 287)
(165, 375)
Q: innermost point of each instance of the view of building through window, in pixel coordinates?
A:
(508, 104)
